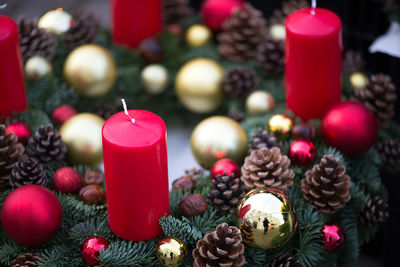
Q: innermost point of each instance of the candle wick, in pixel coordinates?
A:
(313, 6)
(126, 111)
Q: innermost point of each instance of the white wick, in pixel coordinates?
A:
(313, 6)
(126, 111)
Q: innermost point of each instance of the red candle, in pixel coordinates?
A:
(12, 86)
(134, 21)
(313, 62)
(136, 174)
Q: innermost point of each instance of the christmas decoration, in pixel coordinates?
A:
(259, 103)
(21, 130)
(210, 141)
(375, 211)
(37, 67)
(25, 260)
(260, 139)
(193, 205)
(302, 152)
(91, 248)
(198, 35)
(66, 180)
(285, 260)
(151, 51)
(304, 131)
(326, 186)
(225, 167)
(62, 113)
(277, 32)
(237, 116)
(266, 167)
(27, 171)
(215, 12)
(92, 194)
(93, 177)
(103, 110)
(239, 82)
(176, 11)
(31, 223)
(171, 251)
(91, 70)
(349, 127)
(288, 7)
(196, 93)
(358, 80)
(280, 125)
(56, 21)
(223, 247)
(82, 136)
(183, 183)
(334, 236)
(389, 153)
(353, 61)
(194, 173)
(154, 79)
(268, 218)
(270, 57)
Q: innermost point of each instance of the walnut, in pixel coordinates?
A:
(183, 183)
(193, 205)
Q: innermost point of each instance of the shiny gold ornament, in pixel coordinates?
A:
(358, 80)
(56, 21)
(90, 70)
(171, 251)
(280, 125)
(277, 32)
(259, 103)
(267, 218)
(82, 135)
(218, 137)
(37, 67)
(154, 79)
(198, 35)
(198, 85)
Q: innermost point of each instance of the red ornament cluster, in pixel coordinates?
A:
(302, 152)
(225, 166)
(91, 248)
(67, 180)
(334, 236)
(21, 130)
(62, 113)
(215, 12)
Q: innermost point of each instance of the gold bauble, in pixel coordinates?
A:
(358, 80)
(90, 70)
(259, 103)
(198, 85)
(37, 67)
(56, 21)
(216, 138)
(82, 136)
(171, 251)
(154, 79)
(267, 218)
(198, 35)
(277, 32)
(280, 125)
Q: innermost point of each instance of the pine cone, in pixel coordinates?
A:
(83, 31)
(389, 152)
(247, 232)
(10, 152)
(239, 82)
(194, 173)
(353, 61)
(35, 41)
(260, 139)
(285, 260)
(25, 260)
(288, 7)
(375, 211)
(27, 171)
(226, 193)
(103, 110)
(223, 247)
(326, 186)
(176, 11)
(242, 33)
(237, 116)
(47, 145)
(267, 167)
(271, 57)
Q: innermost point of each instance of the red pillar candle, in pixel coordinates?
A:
(12, 86)
(134, 21)
(136, 174)
(313, 55)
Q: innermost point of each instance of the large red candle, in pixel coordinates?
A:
(136, 174)
(313, 55)
(12, 86)
(135, 20)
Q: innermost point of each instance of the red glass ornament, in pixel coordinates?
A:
(62, 114)
(334, 236)
(350, 127)
(66, 180)
(225, 166)
(31, 215)
(302, 152)
(215, 12)
(304, 131)
(21, 130)
(91, 249)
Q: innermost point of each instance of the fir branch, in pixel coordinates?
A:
(206, 222)
(182, 229)
(348, 255)
(94, 227)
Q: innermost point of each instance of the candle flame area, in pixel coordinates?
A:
(59, 9)
(126, 111)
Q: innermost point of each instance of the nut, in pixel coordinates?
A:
(193, 205)
(92, 194)
(183, 183)
(93, 177)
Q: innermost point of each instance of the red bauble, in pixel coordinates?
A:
(62, 114)
(350, 127)
(67, 180)
(225, 166)
(31, 215)
(21, 130)
(302, 152)
(333, 236)
(215, 12)
(91, 249)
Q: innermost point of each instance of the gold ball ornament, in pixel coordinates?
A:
(277, 32)
(171, 251)
(154, 79)
(56, 21)
(198, 35)
(267, 218)
(82, 136)
(198, 85)
(37, 67)
(259, 103)
(218, 137)
(280, 125)
(358, 80)
(91, 70)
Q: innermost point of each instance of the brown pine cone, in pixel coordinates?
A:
(389, 152)
(10, 152)
(260, 139)
(194, 173)
(375, 211)
(285, 260)
(239, 82)
(288, 7)
(267, 167)
(242, 33)
(25, 260)
(237, 116)
(353, 61)
(271, 57)
(27, 171)
(103, 110)
(176, 11)
(223, 247)
(326, 186)
(247, 232)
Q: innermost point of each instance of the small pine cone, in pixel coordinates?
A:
(35, 41)
(260, 139)
(267, 167)
(237, 116)
(285, 260)
(353, 61)
(83, 31)
(242, 33)
(10, 152)
(223, 247)
(379, 96)
(226, 193)
(389, 152)
(271, 57)
(25, 260)
(240, 81)
(176, 11)
(27, 171)
(103, 110)
(288, 7)
(247, 232)
(194, 173)
(375, 211)
(47, 145)
(326, 186)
